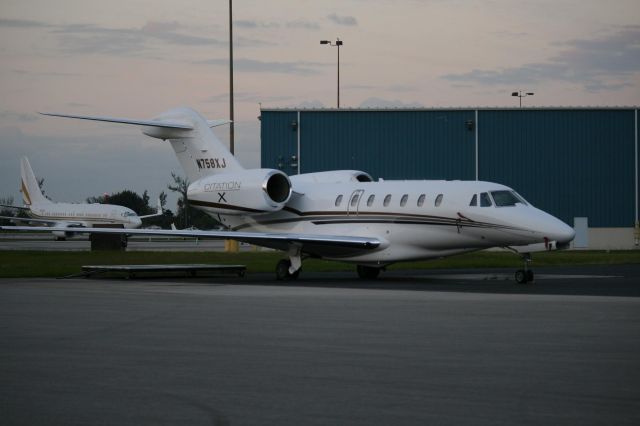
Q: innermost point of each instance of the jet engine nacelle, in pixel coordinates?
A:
(249, 192)
(61, 236)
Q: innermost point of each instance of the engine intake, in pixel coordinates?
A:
(249, 192)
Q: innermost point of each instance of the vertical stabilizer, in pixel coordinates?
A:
(199, 151)
(29, 187)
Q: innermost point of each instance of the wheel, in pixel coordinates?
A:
(282, 271)
(521, 276)
(529, 275)
(368, 272)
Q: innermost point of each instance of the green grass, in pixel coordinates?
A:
(58, 263)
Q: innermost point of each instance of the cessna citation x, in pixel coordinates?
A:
(64, 218)
(343, 215)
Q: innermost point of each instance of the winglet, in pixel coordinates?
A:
(158, 212)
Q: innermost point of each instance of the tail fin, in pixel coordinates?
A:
(31, 193)
(199, 151)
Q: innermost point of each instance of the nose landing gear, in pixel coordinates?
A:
(525, 275)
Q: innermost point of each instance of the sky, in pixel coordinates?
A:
(138, 58)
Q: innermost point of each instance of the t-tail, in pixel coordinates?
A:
(199, 151)
(219, 184)
(31, 193)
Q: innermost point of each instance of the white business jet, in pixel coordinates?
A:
(62, 218)
(343, 215)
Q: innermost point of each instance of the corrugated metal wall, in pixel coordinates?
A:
(569, 162)
(279, 140)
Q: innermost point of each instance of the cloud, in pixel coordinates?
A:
(255, 24)
(84, 39)
(247, 97)
(301, 24)
(252, 65)
(387, 103)
(347, 21)
(592, 63)
(156, 27)
(295, 24)
(17, 116)
(314, 104)
(22, 23)
(88, 39)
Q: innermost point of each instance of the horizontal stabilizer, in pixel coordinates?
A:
(164, 124)
(216, 123)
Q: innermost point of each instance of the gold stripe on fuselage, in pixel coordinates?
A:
(25, 192)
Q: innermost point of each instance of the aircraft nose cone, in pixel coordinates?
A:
(560, 232)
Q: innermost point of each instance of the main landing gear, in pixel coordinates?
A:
(368, 272)
(282, 271)
(525, 275)
(289, 269)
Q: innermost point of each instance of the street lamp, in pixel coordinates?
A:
(521, 95)
(338, 43)
(231, 130)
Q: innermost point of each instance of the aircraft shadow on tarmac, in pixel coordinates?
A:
(606, 280)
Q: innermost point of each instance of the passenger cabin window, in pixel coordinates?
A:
(403, 200)
(421, 200)
(438, 200)
(387, 200)
(338, 200)
(354, 200)
(474, 200)
(505, 198)
(485, 201)
(370, 200)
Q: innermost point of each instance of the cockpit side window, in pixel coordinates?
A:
(520, 198)
(474, 200)
(505, 198)
(485, 200)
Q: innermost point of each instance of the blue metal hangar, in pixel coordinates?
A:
(579, 164)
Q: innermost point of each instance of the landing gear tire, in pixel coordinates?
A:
(368, 272)
(282, 271)
(523, 277)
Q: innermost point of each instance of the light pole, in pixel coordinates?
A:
(521, 95)
(231, 129)
(338, 43)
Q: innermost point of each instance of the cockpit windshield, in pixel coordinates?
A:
(506, 198)
(129, 214)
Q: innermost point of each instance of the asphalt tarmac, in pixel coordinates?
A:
(415, 348)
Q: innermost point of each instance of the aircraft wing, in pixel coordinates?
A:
(313, 244)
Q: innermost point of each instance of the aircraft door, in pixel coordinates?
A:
(354, 202)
